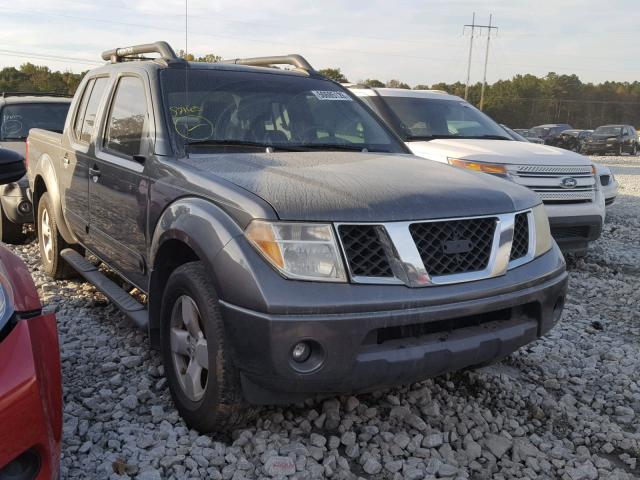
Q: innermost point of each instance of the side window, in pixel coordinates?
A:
(88, 123)
(127, 123)
(77, 124)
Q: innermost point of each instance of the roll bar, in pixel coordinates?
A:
(117, 55)
(294, 59)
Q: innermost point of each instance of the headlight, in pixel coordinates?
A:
(6, 312)
(302, 251)
(544, 241)
(478, 166)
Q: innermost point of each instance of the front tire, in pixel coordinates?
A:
(10, 232)
(203, 380)
(51, 242)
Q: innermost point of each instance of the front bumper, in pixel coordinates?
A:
(31, 397)
(379, 342)
(573, 234)
(574, 225)
(600, 148)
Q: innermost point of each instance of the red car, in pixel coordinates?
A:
(30, 377)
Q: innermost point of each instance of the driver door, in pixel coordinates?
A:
(118, 186)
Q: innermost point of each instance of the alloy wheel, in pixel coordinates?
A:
(189, 350)
(46, 235)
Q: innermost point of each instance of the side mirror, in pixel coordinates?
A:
(12, 166)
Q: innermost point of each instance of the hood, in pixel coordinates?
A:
(505, 152)
(362, 187)
(604, 136)
(16, 146)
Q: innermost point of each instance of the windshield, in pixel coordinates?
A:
(428, 118)
(16, 119)
(541, 131)
(608, 131)
(222, 110)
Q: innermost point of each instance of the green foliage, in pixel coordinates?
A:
(334, 74)
(526, 100)
(372, 82)
(208, 58)
(33, 78)
(397, 84)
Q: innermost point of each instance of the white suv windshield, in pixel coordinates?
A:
(226, 109)
(429, 118)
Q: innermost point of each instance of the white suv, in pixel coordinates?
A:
(447, 129)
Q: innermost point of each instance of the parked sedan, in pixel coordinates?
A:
(550, 131)
(30, 378)
(529, 135)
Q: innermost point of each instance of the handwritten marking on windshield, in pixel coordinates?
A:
(193, 127)
(181, 110)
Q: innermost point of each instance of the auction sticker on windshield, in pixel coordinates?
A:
(332, 95)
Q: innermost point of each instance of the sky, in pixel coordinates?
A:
(418, 42)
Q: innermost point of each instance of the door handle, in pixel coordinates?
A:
(94, 173)
(65, 159)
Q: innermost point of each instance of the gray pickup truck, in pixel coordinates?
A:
(286, 241)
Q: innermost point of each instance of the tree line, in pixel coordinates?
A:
(520, 102)
(527, 100)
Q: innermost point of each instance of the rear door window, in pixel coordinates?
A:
(127, 119)
(77, 124)
(89, 118)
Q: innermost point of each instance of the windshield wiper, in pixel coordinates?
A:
(409, 138)
(492, 137)
(459, 137)
(334, 146)
(8, 139)
(239, 143)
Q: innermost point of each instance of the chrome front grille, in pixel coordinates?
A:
(364, 250)
(520, 244)
(547, 181)
(437, 252)
(473, 239)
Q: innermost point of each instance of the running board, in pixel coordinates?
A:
(125, 302)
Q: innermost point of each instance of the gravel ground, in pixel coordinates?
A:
(564, 407)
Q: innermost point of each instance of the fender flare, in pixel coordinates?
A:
(45, 169)
(201, 225)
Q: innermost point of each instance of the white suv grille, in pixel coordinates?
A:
(557, 184)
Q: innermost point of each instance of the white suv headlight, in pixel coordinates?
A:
(301, 251)
(544, 240)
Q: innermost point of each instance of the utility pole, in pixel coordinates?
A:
(486, 60)
(473, 31)
(473, 26)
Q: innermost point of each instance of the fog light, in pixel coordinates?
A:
(301, 352)
(24, 207)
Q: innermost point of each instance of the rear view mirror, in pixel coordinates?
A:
(12, 166)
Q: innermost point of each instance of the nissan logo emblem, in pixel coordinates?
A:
(568, 182)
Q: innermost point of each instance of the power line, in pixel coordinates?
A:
(233, 37)
(44, 56)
